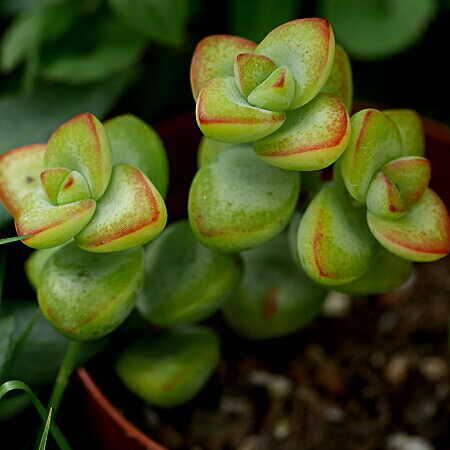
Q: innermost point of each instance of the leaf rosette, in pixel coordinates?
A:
(382, 179)
(82, 185)
(295, 83)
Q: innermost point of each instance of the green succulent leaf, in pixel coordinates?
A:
(215, 56)
(185, 281)
(375, 140)
(136, 143)
(334, 242)
(275, 297)
(237, 201)
(51, 225)
(250, 70)
(130, 213)
(422, 234)
(377, 29)
(340, 81)
(171, 368)
(411, 130)
(306, 47)
(276, 92)
(87, 295)
(224, 115)
(82, 144)
(20, 171)
(385, 273)
(311, 138)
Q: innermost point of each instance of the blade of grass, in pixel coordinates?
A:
(43, 442)
(54, 430)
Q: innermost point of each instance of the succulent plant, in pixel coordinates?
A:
(289, 98)
(88, 210)
(71, 188)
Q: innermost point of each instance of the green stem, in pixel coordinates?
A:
(66, 369)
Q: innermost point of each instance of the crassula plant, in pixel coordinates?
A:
(268, 232)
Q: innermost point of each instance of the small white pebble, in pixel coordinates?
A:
(402, 441)
(336, 304)
(334, 414)
(282, 428)
(434, 368)
(396, 369)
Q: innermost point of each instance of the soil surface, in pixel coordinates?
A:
(370, 373)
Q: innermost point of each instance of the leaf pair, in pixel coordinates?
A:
(73, 188)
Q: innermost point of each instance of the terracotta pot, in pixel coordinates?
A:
(108, 427)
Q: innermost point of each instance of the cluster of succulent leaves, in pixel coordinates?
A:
(358, 232)
(265, 239)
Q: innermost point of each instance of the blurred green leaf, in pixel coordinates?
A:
(32, 27)
(12, 7)
(32, 118)
(163, 21)
(377, 29)
(113, 48)
(6, 336)
(38, 348)
(253, 19)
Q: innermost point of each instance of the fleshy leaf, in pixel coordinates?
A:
(375, 140)
(411, 129)
(340, 81)
(384, 199)
(423, 234)
(19, 174)
(82, 144)
(51, 225)
(171, 368)
(411, 175)
(385, 273)
(237, 201)
(276, 92)
(52, 180)
(306, 47)
(334, 243)
(130, 213)
(250, 70)
(135, 142)
(185, 282)
(214, 56)
(224, 115)
(312, 137)
(274, 297)
(87, 295)
(74, 188)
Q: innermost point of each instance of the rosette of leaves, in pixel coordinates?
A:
(283, 102)
(362, 230)
(75, 188)
(88, 209)
(284, 95)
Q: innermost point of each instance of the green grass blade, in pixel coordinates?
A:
(14, 239)
(54, 430)
(43, 442)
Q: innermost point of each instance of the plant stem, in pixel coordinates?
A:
(66, 369)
